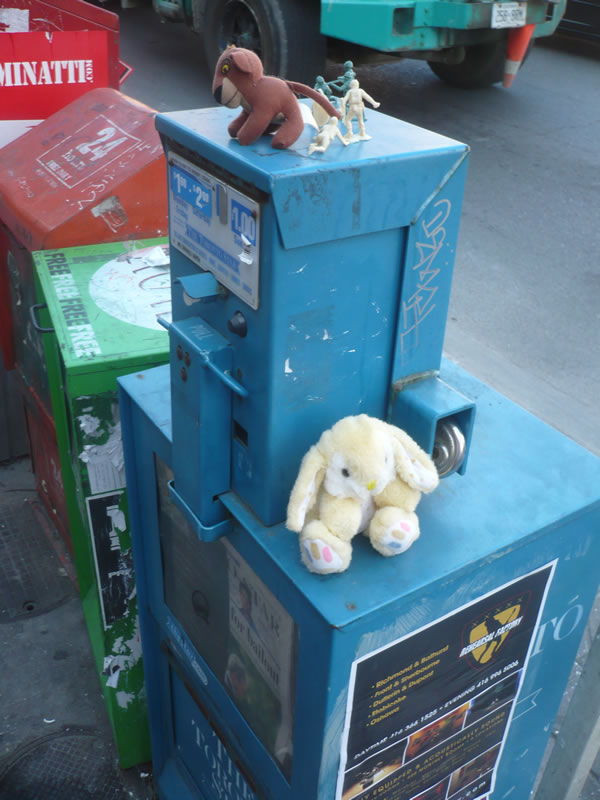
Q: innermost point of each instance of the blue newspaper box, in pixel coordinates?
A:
(305, 289)
(442, 668)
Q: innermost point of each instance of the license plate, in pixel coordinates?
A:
(509, 15)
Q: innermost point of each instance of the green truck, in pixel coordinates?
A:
(463, 41)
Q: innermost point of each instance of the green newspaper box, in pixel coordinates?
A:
(105, 303)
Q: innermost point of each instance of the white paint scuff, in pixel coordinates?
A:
(124, 698)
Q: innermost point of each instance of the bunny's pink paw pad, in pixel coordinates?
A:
(400, 537)
(393, 530)
(320, 557)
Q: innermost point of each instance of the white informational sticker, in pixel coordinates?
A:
(428, 715)
(215, 226)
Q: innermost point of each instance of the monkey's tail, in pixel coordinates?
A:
(301, 88)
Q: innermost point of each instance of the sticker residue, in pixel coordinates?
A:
(14, 20)
(105, 463)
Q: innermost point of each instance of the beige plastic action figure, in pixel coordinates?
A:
(352, 107)
(325, 136)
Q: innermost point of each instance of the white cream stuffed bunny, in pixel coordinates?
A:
(362, 475)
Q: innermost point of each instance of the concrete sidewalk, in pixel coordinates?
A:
(55, 738)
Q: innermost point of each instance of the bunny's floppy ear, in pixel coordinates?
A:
(304, 493)
(413, 465)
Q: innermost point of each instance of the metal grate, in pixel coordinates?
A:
(66, 766)
(32, 578)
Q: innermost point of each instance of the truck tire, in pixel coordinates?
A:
(483, 65)
(284, 34)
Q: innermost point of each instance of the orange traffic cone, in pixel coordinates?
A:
(518, 42)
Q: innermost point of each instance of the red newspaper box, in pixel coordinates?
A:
(23, 16)
(7, 347)
(93, 172)
(40, 72)
(45, 461)
(51, 52)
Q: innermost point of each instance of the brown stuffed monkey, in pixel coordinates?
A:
(267, 102)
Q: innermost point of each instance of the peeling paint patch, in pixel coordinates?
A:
(124, 657)
(89, 425)
(111, 212)
(118, 519)
(132, 648)
(124, 698)
(287, 369)
(14, 20)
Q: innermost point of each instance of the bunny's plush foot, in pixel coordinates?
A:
(393, 530)
(323, 552)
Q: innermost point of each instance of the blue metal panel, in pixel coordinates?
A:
(147, 419)
(200, 360)
(530, 498)
(429, 263)
(371, 186)
(144, 401)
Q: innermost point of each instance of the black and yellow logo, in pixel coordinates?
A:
(485, 637)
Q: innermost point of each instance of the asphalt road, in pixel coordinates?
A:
(525, 308)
